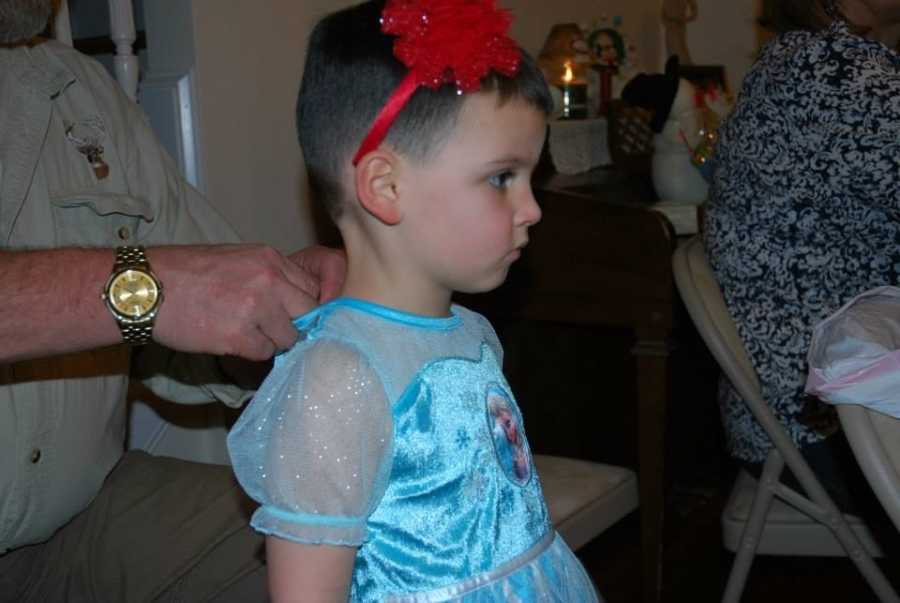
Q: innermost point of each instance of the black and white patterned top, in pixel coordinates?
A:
(804, 211)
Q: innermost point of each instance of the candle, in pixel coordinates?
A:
(574, 95)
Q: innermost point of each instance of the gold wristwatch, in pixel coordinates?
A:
(133, 295)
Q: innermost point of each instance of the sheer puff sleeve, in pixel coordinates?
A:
(313, 447)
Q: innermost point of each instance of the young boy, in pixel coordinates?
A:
(386, 448)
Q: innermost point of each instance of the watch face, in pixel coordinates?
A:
(133, 293)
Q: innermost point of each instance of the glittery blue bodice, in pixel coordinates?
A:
(399, 434)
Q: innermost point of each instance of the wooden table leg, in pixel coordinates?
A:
(651, 355)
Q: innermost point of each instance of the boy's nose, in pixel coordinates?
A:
(529, 212)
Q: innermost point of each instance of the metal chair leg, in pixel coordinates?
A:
(762, 502)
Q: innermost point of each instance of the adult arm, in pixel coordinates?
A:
(308, 573)
(223, 299)
(51, 302)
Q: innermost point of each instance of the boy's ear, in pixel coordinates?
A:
(376, 185)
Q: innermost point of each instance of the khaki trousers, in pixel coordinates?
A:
(161, 529)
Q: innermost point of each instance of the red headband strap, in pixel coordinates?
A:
(442, 42)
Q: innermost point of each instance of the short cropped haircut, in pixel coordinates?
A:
(349, 75)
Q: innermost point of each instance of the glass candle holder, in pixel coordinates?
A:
(574, 100)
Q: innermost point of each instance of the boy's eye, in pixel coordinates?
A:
(501, 180)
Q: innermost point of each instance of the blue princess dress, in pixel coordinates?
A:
(398, 434)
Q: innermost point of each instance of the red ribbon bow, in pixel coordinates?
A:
(442, 42)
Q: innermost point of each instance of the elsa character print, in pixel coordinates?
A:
(508, 440)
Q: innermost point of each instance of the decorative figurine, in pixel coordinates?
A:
(676, 14)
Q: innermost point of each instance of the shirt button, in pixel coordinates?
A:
(35, 455)
(124, 233)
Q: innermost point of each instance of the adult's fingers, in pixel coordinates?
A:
(327, 265)
(333, 273)
(304, 293)
(280, 332)
(256, 346)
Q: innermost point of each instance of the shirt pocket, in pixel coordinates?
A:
(101, 219)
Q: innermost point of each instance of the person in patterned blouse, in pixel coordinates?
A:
(804, 212)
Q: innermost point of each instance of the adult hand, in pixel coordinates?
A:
(235, 299)
(326, 264)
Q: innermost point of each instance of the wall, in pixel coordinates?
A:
(247, 73)
(725, 34)
(640, 22)
(248, 63)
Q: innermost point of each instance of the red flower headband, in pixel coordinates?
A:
(442, 42)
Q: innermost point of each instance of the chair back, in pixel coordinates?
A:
(703, 299)
(875, 440)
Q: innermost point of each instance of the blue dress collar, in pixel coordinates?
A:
(434, 323)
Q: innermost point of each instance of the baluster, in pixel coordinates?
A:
(121, 16)
(62, 28)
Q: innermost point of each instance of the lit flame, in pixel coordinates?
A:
(567, 78)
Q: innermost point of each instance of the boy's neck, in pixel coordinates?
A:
(384, 293)
(372, 276)
(419, 307)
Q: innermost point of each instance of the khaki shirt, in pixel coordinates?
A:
(62, 420)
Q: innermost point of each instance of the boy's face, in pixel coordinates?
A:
(467, 210)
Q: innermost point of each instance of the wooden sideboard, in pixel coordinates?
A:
(601, 257)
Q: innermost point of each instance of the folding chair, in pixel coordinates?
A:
(703, 299)
(875, 440)
(853, 360)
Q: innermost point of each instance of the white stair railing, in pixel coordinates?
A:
(62, 29)
(122, 32)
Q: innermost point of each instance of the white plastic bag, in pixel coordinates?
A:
(854, 357)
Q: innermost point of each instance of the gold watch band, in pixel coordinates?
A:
(134, 331)
(137, 334)
(131, 256)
